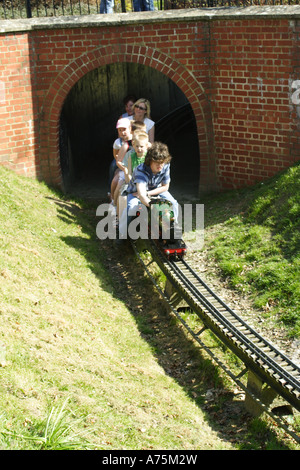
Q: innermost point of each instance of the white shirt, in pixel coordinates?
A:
(148, 122)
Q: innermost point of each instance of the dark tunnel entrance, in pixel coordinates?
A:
(88, 127)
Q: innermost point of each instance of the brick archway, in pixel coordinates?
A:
(141, 54)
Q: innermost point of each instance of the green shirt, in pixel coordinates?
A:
(135, 161)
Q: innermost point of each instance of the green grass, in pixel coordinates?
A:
(89, 357)
(69, 329)
(257, 247)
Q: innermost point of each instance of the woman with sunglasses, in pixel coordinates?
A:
(142, 113)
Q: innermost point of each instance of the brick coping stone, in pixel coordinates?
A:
(290, 12)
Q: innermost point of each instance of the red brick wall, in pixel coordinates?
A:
(236, 73)
(254, 121)
(17, 136)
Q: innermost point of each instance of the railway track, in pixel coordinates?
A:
(259, 355)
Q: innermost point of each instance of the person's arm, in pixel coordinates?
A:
(122, 152)
(151, 134)
(124, 168)
(115, 154)
(159, 190)
(142, 193)
(164, 183)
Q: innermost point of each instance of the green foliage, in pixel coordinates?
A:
(277, 206)
(57, 432)
(258, 248)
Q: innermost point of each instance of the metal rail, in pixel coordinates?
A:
(258, 354)
(226, 317)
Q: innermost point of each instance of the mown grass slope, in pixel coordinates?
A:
(66, 335)
(88, 355)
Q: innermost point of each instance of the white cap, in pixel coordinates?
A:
(123, 122)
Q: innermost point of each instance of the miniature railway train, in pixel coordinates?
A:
(161, 221)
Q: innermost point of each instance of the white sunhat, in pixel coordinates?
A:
(123, 122)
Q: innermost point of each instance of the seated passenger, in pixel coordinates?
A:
(135, 127)
(141, 112)
(151, 178)
(120, 146)
(128, 102)
(132, 159)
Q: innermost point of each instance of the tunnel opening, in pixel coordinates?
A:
(88, 127)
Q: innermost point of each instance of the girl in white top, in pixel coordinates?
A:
(142, 113)
(120, 146)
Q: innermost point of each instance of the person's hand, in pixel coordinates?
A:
(120, 165)
(146, 200)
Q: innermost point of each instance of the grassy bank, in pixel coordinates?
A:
(66, 334)
(258, 244)
(89, 358)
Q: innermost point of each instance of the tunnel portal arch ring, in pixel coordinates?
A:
(103, 56)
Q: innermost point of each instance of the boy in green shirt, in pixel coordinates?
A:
(135, 157)
(132, 159)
